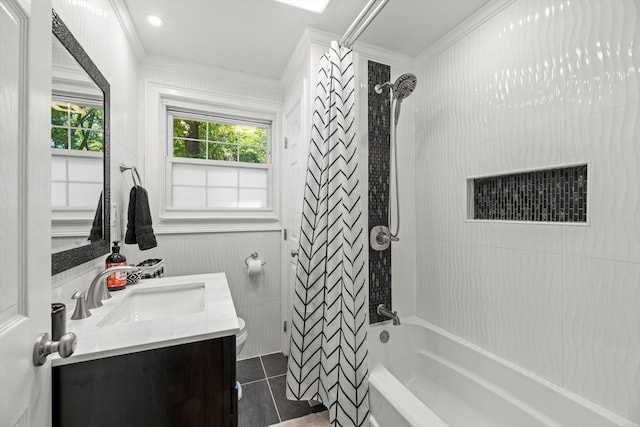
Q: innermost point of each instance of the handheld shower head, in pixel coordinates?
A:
(401, 88)
(404, 86)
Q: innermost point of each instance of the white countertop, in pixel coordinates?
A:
(218, 319)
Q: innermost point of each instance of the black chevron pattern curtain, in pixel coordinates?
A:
(328, 349)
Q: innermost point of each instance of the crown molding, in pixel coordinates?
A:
(124, 18)
(478, 18)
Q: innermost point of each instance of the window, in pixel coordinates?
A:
(222, 174)
(218, 163)
(76, 126)
(77, 146)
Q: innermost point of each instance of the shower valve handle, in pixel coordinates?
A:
(380, 238)
(383, 238)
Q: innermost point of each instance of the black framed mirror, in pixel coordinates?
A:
(93, 238)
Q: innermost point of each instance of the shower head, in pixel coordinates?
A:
(402, 88)
(404, 85)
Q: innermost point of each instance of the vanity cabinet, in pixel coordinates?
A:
(181, 385)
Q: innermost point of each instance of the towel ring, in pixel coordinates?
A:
(133, 170)
(254, 255)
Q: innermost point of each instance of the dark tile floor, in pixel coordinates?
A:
(264, 401)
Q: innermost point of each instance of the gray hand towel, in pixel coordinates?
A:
(95, 235)
(139, 229)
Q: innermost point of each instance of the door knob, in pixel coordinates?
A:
(294, 253)
(44, 347)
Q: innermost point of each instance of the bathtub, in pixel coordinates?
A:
(426, 377)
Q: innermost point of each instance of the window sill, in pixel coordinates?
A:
(181, 223)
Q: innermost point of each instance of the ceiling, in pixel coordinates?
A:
(259, 36)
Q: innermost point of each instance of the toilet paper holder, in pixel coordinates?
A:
(254, 255)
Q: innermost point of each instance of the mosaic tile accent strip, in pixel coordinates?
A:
(379, 117)
(551, 195)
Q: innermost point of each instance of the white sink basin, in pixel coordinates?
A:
(155, 313)
(157, 302)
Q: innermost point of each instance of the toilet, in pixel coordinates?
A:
(241, 338)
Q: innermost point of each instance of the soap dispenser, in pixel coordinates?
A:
(117, 280)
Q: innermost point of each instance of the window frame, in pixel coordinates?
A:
(87, 100)
(72, 221)
(159, 99)
(173, 113)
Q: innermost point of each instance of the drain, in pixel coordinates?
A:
(384, 337)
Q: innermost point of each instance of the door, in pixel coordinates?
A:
(25, 280)
(294, 173)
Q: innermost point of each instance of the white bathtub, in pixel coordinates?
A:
(426, 377)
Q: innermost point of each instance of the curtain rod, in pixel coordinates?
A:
(362, 22)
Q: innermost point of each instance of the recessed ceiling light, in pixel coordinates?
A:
(155, 21)
(316, 6)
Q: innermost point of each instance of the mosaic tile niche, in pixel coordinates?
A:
(551, 195)
(379, 118)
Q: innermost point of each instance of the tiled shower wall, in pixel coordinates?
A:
(391, 276)
(378, 114)
(541, 84)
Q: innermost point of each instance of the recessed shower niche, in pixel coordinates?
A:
(543, 195)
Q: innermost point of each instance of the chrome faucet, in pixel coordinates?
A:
(98, 290)
(384, 311)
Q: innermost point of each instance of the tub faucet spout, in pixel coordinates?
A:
(393, 315)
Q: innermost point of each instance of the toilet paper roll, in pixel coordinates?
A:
(254, 266)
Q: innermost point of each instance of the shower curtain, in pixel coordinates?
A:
(328, 349)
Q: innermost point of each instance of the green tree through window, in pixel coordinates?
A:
(198, 139)
(77, 126)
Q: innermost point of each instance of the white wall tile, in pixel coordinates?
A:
(406, 183)
(527, 303)
(600, 56)
(430, 255)
(528, 236)
(543, 83)
(478, 233)
(455, 290)
(608, 141)
(600, 332)
(403, 276)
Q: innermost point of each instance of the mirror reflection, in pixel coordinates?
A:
(77, 154)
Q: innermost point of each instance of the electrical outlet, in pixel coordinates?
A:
(114, 214)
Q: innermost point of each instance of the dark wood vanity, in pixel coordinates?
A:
(178, 386)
